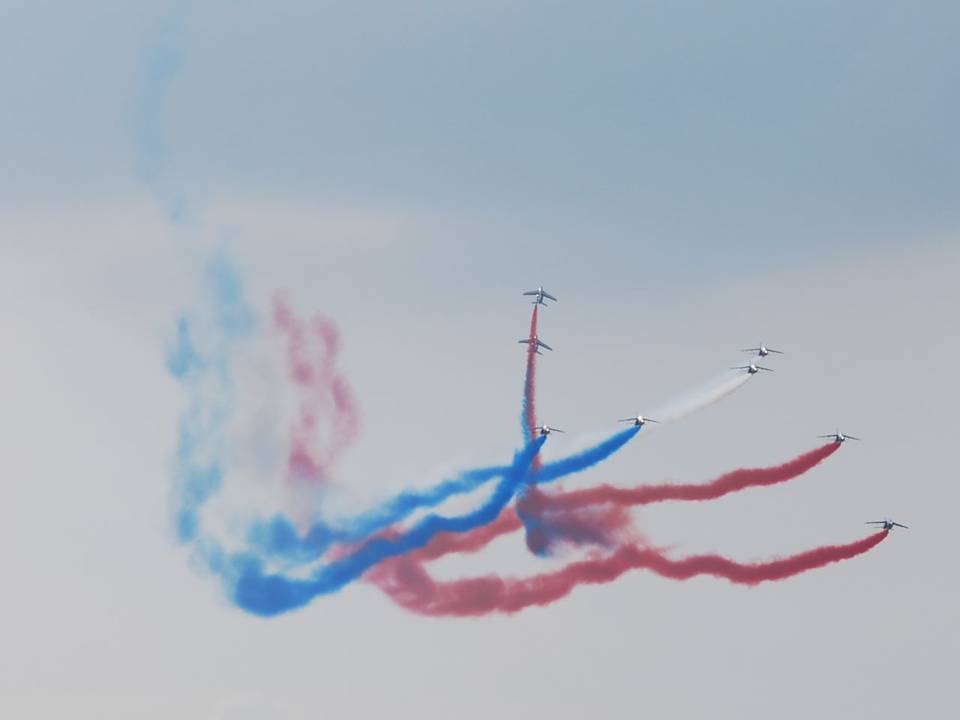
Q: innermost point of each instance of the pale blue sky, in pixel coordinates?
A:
(772, 129)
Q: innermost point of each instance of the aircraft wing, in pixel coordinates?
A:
(524, 341)
(851, 437)
(548, 295)
(903, 526)
(778, 352)
(542, 344)
(761, 367)
(750, 350)
(532, 292)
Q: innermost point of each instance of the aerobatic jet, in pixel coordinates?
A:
(545, 429)
(541, 296)
(752, 368)
(537, 343)
(638, 420)
(887, 524)
(838, 437)
(762, 351)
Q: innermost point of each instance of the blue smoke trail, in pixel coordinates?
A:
(198, 471)
(584, 459)
(202, 429)
(200, 474)
(271, 594)
(279, 538)
(163, 59)
(534, 525)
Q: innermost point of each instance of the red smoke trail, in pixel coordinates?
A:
(530, 385)
(410, 586)
(603, 529)
(730, 482)
(474, 541)
(327, 418)
(572, 516)
(537, 541)
(448, 543)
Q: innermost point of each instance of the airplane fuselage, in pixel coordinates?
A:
(838, 437)
(540, 296)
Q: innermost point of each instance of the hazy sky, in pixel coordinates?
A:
(688, 178)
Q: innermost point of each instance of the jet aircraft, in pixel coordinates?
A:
(638, 420)
(541, 296)
(545, 429)
(536, 343)
(762, 351)
(752, 368)
(887, 524)
(838, 437)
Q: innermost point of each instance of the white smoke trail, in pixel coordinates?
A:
(700, 397)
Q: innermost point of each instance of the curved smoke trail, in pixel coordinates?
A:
(730, 482)
(280, 538)
(262, 593)
(200, 473)
(701, 397)
(314, 375)
(327, 408)
(199, 469)
(579, 516)
(390, 557)
(733, 481)
(207, 377)
(583, 460)
(408, 584)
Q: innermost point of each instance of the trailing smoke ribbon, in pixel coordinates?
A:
(372, 543)
(409, 585)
